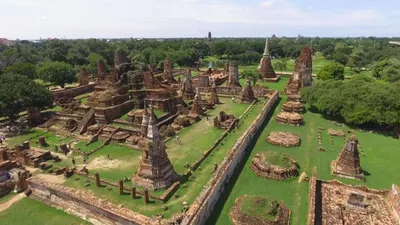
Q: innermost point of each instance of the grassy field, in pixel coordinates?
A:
(31, 212)
(380, 152)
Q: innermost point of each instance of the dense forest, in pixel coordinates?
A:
(355, 100)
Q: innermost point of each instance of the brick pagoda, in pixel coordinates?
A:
(214, 95)
(155, 169)
(247, 94)
(348, 163)
(187, 86)
(168, 74)
(197, 102)
(265, 67)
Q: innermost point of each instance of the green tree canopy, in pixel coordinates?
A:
(281, 65)
(387, 70)
(360, 100)
(18, 93)
(22, 68)
(58, 73)
(251, 74)
(333, 71)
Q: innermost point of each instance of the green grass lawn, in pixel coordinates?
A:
(379, 163)
(278, 159)
(31, 212)
(11, 142)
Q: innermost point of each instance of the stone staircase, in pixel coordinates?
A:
(85, 122)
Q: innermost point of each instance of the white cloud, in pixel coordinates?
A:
(116, 18)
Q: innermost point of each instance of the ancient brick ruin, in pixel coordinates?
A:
(168, 74)
(12, 176)
(214, 99)
(291, 118)
(265, 68)
(283, 139)
(197, 104)
(247, 94)
(24, 154)
(263, 168)
(332, 202)
(101, 70)
(348, 162)
(233, 79)
(155, 169)
(83, 77)
(276, 209)
(224, 121)
(290, 106)
(302, 75)
(187, 86)
(120, 57)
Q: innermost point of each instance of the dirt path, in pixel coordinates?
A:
(9, 203)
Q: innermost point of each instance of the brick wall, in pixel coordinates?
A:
(204, 204)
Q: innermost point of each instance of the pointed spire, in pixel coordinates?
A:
(145, 121)
(266, 50)
(152, 129)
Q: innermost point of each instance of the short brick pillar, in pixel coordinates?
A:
(146, 196)
(97, 177)
(121, 187)
(133, 193)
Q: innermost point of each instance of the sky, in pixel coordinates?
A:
(32, 19)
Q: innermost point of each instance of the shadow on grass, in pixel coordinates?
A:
(231, 184)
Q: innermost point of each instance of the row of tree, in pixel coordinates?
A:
(360, 100)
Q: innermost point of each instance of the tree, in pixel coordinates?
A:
(333, 71)
(281, 65)
(58, 73)
(22, 68)
(18, 93)
(387, 70)
(93, 59)
(251, 74)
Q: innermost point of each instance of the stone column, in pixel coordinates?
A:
(25, 145)
(121, 187)
(97, 177)
(133, 193)
(146, 196)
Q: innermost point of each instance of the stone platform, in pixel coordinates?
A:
(272, 80)
(262, 165)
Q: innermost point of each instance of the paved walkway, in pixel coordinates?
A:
(9, 203)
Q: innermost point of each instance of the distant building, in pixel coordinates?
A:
(4, 41)
(209, 36)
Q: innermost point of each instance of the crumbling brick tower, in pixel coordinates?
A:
(302, 75)
(168, 74)
(197, 102)
(214, 95)
(247, 94)
(233, 80)
(265, 67)
(120, 57)
(348, 163)
(187, 86)
(101, 70)
(83, 77)
(155, 169)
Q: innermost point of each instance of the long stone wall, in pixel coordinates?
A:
(85, 205)
(204, 204)
(73, 92)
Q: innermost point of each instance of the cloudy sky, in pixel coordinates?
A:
(31, 19)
